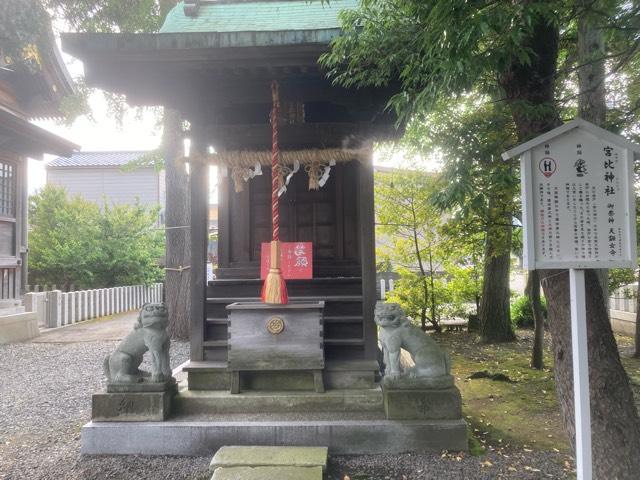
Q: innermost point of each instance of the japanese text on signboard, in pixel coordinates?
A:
(580, 204)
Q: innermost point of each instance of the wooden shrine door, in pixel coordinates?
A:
(327, 217)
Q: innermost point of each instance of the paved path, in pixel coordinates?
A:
(113, 328)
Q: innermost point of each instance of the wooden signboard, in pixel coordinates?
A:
(578, 209)
(296, 260)
(578, 201)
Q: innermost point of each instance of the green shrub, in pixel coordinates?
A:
(74, 241)
(521, 313)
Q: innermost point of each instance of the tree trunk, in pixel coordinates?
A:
(533, 292)
(592, 104)
(614, 419)
(495, 311)
(177, 220)
(436, 320)
(615, 424)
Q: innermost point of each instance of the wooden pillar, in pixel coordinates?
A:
(366, 216)
(224, 228)
(199, 188)
(22, 206)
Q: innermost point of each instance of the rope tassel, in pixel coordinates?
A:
(274, 289)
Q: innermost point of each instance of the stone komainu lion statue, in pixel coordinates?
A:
(149, 334)
(397, 332)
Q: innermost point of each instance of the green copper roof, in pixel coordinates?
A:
(258, 16)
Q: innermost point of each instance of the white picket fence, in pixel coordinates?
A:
(622, 309)
(56, 308)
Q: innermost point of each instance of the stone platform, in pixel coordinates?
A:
(345, 421)
(202, 438)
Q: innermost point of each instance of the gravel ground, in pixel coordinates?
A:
(45, 398)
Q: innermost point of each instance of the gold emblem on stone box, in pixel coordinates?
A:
(275, 325)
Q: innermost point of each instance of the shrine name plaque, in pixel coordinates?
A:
(578, 202)
(276, 337)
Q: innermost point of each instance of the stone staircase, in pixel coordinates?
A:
(269, 463)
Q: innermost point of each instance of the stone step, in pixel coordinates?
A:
(190, 402)
(268, 473)
(268, 456)
(269, 463)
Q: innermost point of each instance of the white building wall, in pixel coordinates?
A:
(111, 183)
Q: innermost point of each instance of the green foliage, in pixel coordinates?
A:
(521, 312)
(477, 188)
(73, 241)
(26, 35)
(437, 276)
(469, 136)
(619, 277)
(135, 16)
(437, 49)
(63, 240)
(24, 31)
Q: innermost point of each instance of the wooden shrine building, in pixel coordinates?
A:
(214, 61)
(26, 92)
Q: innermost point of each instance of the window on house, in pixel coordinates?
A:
(7, 189)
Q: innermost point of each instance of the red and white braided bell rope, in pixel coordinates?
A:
(275, 164)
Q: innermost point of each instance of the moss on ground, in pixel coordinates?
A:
(524, 413)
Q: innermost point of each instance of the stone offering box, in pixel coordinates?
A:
(266, 337)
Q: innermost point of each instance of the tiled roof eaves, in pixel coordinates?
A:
(258, 16)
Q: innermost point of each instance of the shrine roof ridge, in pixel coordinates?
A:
(257, 16)
(562, 129)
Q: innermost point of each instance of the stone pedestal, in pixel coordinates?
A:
(421, 399)
(142, 402)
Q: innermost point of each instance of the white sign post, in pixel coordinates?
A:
(578, 208)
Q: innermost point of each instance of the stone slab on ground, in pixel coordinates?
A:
(268, 456)
(343, 437)
(443, 404)
(18, 327)
(268, 473)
